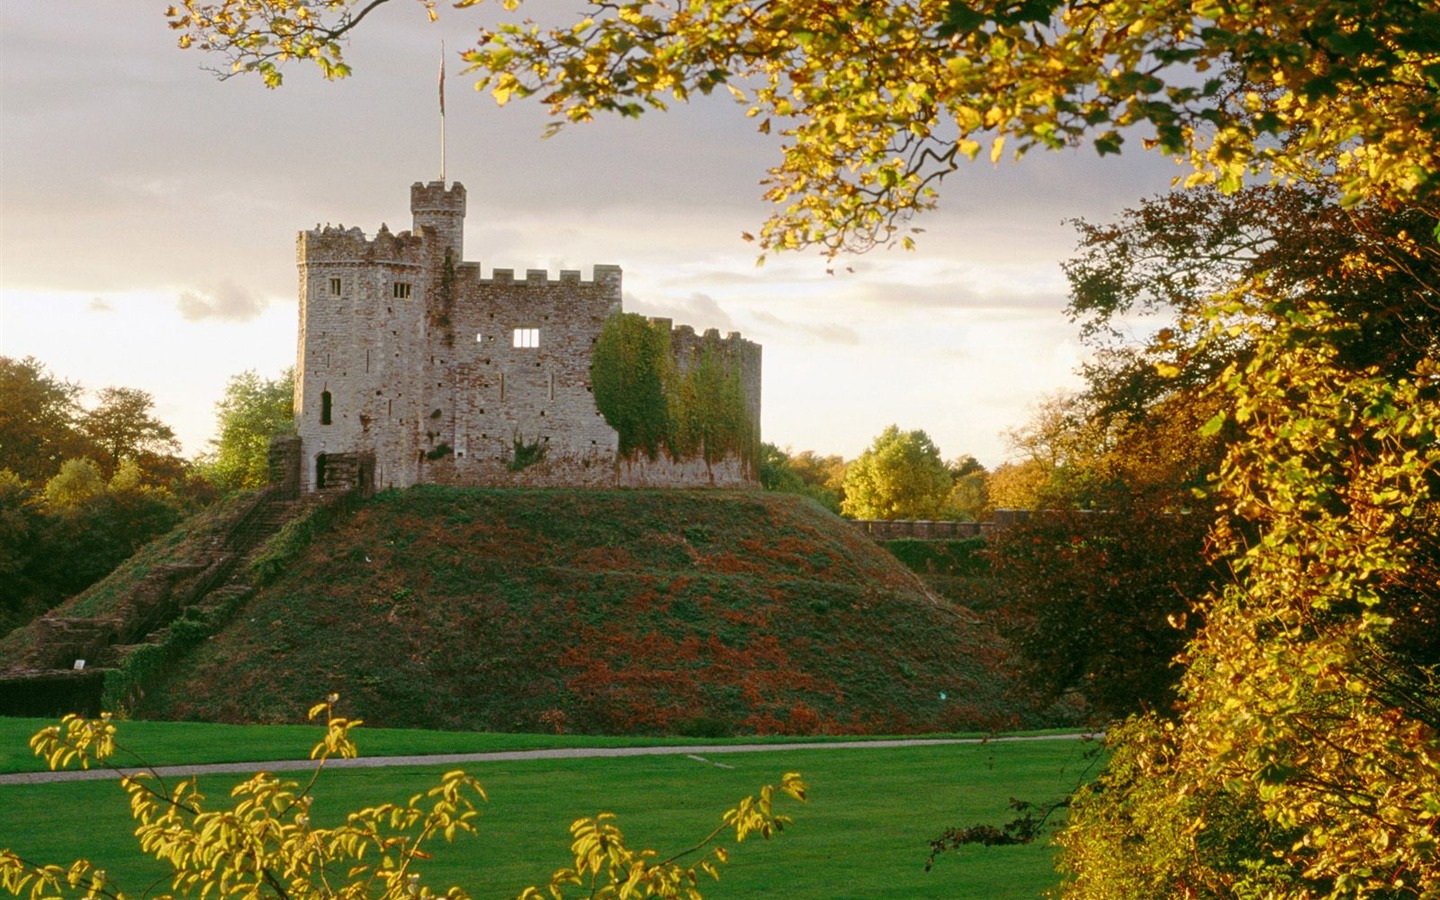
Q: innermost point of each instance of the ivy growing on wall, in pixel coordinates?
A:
(695, 407)
(629, 371)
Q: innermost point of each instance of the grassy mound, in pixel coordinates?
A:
(700, 613)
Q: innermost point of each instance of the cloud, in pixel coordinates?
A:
(699, 311)
(824, 332)
(99, 305)
(226, 301)
(1011, 292)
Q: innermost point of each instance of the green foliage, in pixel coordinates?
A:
(692, 407)
(955, 558)
(1143, 831)
(253, 410)
(805, 474)
(272, 841)
(56, 543)
(1311, 700)
(878, 102)
(969, 498)
(122, 426)
(899, 476)
(77, 484)
(714, 418)
(39, 420)
(629, 373)
(525, 454)
(1097, 605)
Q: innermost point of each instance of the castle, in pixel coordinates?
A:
(412, 368)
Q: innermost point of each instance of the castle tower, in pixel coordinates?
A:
(443, 211)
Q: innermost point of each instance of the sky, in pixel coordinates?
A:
(148, 213)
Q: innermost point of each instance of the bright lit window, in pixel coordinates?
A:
(528, 338)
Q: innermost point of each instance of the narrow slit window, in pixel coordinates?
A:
(335, 286)
(527, 338)
(402, 290)
(324, 407)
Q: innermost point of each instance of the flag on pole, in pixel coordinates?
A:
(442, 112)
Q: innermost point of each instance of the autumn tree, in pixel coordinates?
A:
(805, 473)
(122, 425)
(20, 526)
(1096, 605)
(1310, 707)
(39, 419)
(875, 103)
(969, 498)
(88, 525)
(899, 476)
(253, 410)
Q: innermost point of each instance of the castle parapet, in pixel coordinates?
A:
(604, 275)
(338, 244)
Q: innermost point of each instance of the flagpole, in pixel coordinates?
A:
(442, 113)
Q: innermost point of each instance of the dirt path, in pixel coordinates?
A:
(697, 752)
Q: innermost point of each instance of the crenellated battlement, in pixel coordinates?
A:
(435, 197)
(338, 244)
(604, 275)
(686, 337)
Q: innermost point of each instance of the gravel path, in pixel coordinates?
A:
(696, 752)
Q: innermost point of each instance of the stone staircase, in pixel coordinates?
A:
(66, 664)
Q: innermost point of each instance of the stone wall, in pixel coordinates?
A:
(894, 529)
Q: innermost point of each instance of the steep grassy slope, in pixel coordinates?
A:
(629, 611)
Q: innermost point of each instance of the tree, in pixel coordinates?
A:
(78, 483)
(88, 526)
(1310, 705)
(122, 426)
(877, 102)
(900, 476)
(39, 415)
(824, 477)
(969, 498)
(779, 471)
(253, 410)
(273, 842)
(20, 528)
(1097, 605)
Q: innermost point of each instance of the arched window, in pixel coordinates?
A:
(320, 472)
(324, 407)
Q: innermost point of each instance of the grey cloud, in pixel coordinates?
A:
(228, 300)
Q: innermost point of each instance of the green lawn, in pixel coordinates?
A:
(173, 743)
(863, 835)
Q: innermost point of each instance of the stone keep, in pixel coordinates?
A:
(411, 368)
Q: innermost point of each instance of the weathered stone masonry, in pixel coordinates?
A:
(412, 368)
